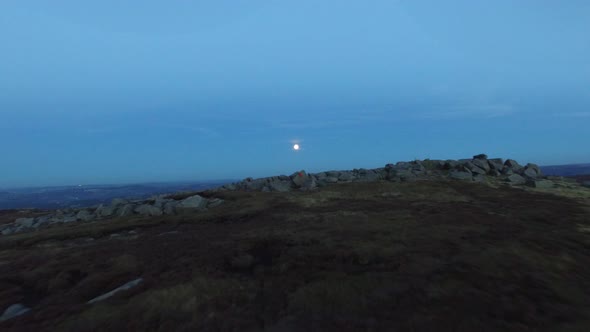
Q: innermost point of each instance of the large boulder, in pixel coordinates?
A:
(482, 163)
(513, 164)
(530, 173)
(516, 179)
(148, 210)
(345, 176)
(105, 211)
(25, 222)
(125, 210)
(460, 175)
(170, 207)
(193, 202)
(85, 215)
(280, 185)
(531, 169)
(481, 156)
(496, 164)
(299, 178)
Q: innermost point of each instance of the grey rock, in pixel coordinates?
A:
(126, 286)
(541, 184)
(345, 176)
(170, 208)
(25, 222)
(516, 179)
(193, 202)
(507, 170)
(480, 178)
(280, 186)
(477, 170)
(403, 165)
(254, 184)
(331, 179)
(481, 156)
(535, 168)
(458, 175)
(160, 201)
(451, 164)
(495, 172)
(530, 173)
(148, 210)
(85, 215)
(14, 311)
(482, 163)
(511, 163)
(406, 176)
(105, 211)
(125, 210)
(214, 202)
(68, 218)
(496, 164)
(8, 230)
(299, 178)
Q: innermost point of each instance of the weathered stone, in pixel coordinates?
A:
(507, 170)
(494, 172)
(331, 179)
(214, 202)
(511, 163)
(542, 184)
(516, 179)
(148, 210)
(193, 202)
(14, 311)
(406, 176)
(477, 170)
(85, 215)
(480, 178)
(105, 211)
(170, 207)
(458, 175)
(496, 163)
(126, 286)
(125, 210)
(25, 222)
(345, 176)
(482, 163)
(530, 173)
(535, 168)
(450, 164)
(481, 156)
(280, 186)
(299, 178)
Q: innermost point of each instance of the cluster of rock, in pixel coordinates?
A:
(157, 206)
(477, 168)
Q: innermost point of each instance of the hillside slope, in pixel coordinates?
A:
(414, 256)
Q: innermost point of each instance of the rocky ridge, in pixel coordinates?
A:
(156, 206)
(479, 169)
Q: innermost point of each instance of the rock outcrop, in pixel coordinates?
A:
(118, 208)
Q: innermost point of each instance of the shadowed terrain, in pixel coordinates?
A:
(381, 256)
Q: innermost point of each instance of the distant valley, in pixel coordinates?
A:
(566, 170)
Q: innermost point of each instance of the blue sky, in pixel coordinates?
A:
(132, 91)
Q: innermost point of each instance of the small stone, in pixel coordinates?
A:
(14, 311)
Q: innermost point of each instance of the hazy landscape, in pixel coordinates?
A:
(286, 166)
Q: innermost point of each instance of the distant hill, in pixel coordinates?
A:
(566, 170)
(89, 195)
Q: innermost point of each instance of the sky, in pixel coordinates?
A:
(151, 91)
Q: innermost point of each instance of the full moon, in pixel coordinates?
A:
(296, 147)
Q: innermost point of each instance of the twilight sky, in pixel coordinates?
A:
(131, 91)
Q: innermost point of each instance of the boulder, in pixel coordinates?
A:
(214, 202)
(541, 184)
(480, 178)
(105, 211)
(126, 286)
(459, 175)
(516, 179)
(477, 170)
(369, 176)
(125, 210)
(406, 176)
(496, 164)
(450, 164)
(507, 170)
(8, 230)
(309, 184)
(85, 215)
(481, 156)
(331, 179)
(148, 210)
(482, 163)
(14, 311)
(511, 163)
(193, 202)
(25, 222)
(345, 176)
(170, 207)
(535, 168)
(280, 186)
(529, 173)
(299, 178)
(494, 172)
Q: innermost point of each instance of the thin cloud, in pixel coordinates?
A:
(475, 111)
